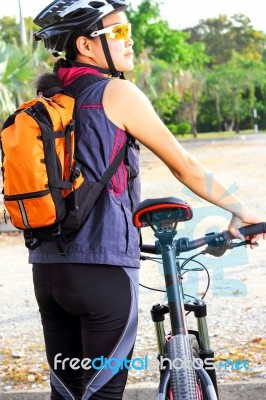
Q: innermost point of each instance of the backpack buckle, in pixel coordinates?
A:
(56, 234)
(29, 243)
(76, 171)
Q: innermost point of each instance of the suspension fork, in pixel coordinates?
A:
(158, 312)
(199, 308)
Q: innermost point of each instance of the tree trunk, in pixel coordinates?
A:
(218, 111)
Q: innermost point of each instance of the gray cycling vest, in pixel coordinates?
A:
(108, 235)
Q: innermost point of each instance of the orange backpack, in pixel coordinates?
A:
(44, 190)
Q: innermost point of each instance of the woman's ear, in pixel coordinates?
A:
(83, 45)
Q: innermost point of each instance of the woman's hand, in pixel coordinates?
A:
(247, 218)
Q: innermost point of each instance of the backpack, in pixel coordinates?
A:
(44, 190)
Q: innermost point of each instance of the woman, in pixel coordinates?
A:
(88, 299)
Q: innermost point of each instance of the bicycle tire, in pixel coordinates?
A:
(195, 353)
(194, 345)
(182, 377)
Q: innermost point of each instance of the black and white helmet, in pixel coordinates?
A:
(63, 17)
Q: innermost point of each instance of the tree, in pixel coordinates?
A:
(224, 37)
(146, 13)
(189, 87)
(161, 55)
(229, 93)
(9, 30)
(152, 33)
(19, 68)
(16, 73)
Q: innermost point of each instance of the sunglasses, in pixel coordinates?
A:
(116, 32)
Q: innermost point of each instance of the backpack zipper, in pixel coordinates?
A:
(27, 195)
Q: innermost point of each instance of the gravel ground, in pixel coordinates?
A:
(236, 306)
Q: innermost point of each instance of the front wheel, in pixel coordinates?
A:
(182, 372)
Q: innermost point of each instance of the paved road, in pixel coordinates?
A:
(238, 391)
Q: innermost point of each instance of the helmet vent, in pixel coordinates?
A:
(96, 4)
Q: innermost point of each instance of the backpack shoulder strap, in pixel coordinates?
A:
(81, 83)
(111, 170)
(53, 91)
(76, 87)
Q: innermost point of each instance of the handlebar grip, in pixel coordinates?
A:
(249, 230)
(255, 229)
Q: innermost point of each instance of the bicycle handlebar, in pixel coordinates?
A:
(215, 239)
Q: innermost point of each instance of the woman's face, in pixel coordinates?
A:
(120, 49)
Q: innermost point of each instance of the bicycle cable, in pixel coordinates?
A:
(186, 261)
(203, 268)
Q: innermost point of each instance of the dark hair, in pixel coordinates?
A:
(71, 47)
(47, 81)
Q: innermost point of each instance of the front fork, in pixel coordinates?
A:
(199, 308)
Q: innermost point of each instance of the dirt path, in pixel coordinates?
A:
(237, 308)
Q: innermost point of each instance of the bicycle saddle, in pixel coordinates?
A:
(167, 209)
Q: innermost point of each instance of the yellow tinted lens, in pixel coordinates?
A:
(120, 32)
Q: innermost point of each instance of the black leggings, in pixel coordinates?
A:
(87, 311)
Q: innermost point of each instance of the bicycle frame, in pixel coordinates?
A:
(165, 230)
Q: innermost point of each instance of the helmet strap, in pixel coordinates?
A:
(107, 53)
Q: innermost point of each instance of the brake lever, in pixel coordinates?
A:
(218, 251)
(244, 243)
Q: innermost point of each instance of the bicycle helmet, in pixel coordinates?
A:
(61, 18)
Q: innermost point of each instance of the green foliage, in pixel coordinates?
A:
(166, 106)
(19, 64)
(18, 71)
(224, 37)
(210, 76)
(183, 128)
(147, 12)
(9, 30)
(152, 33)
(16, 74)
(229, 93)
(172, 47)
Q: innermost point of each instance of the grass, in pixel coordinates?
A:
(215, 135)
(25, 369)
(253, 351)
